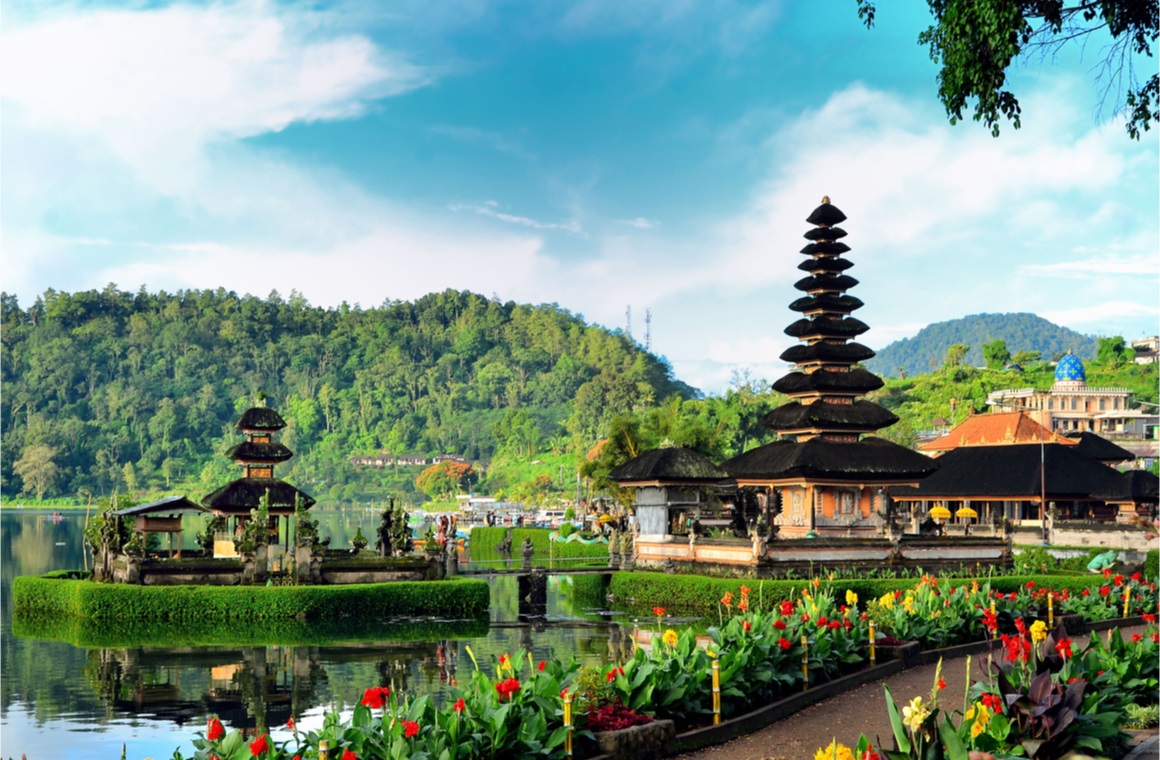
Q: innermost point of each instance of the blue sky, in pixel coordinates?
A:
(594, 154)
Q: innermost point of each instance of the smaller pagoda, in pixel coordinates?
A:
(257, 456)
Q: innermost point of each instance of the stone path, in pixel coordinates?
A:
(861, 710)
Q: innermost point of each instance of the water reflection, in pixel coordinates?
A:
(80, 690)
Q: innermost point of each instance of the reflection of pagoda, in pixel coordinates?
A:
(257, 456)
(825, 472)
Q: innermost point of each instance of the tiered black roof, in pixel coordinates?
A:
(1100, 449)
(261, 418)
(825, 417)
(259, 452)
(1132, 485)
(674, 465)
(244, 494)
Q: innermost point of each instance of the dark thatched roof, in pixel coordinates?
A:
(1099, 448)
(870, 460)
(825, 233)
(259, 452)
(261, 418)
(170, 505)
(858, 416)
(828, 327)
(836, 282)
(827, 263)
(826, 214)
(854, 381)
(1012, 471)
(672, 465)
(243, 494)
(827, 302)
(1134, 486)
(813, 249)
(827, 352)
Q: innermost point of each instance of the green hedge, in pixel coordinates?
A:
(1152, 564)
(455, 599)
(484, 541)
(89, 633)
(697, 594)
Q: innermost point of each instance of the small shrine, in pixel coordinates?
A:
(671, 483)
(257, 456)
(826, 475)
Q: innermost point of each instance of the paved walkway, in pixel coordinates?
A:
(846, 717)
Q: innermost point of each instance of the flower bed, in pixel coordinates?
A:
(516, 707)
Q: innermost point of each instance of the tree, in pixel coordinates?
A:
(956, 354)
(1114, 351)
(446, 479)
(37, 469)
(995, 354)
(976, 41)
(1023, 358)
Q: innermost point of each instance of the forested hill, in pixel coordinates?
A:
(140, 391)
(1024, 332)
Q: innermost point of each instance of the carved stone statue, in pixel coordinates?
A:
(526, 552)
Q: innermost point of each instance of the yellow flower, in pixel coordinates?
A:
(834, 751)
(1038, 631)
(908, 604)
(914, 714)
(886, 601)
(670, 637)
(851, 597)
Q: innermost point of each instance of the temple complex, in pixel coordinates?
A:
(826, 472)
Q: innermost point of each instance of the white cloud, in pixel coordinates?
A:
(641, 223)
(1098, 268)
(1100, 315)
(491, 209)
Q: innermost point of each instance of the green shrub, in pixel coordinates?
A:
(1152, 565)
(456, 599)
(566, 529)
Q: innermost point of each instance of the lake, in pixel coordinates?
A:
(58, 700)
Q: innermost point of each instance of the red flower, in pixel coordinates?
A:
(659, 611)
(1030, 585)
(541, 665)
(993, 703)
(1104, 591)
(1118, 580)
(745, 625)
(784, 643)
(834, 625)
(348, 755)
(779, 625)
(727, 600)
(1136, 638)
(743, 605)
(1156, 638)
(1149, 617)
(612, 674)
(507, 688)
(259, 746)
(787, 607)
(990, 621)
(1136, 577)
(214, 731)
(822, 620)
(941, 684)
(1086, 592)
(460, 705)
(1107, 572)
(290, 723)
(1100, 672)
(805, 617)
(1021, 626)
(410, 729)
(1064, 648)
(375, 697)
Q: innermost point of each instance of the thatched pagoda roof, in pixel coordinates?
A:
(674, 465)
(826, 215)
(243, 494)
(870, 460)
(825, 233)
(828, 282)
(1134, 486)
(836, 353)
(170, 505)
(860, 416)
(825, 248)
(259, 452)
(261, 418)
(855, 381)
(827, 264)
(827, 327)
(842, 304)
(1099, 448)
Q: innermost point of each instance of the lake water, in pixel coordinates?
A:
(58, 700)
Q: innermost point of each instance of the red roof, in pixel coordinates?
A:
(995, 430)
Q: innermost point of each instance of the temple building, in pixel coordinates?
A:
(257, 456)
(1071, 406)
(826, 473)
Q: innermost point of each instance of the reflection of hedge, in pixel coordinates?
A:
(484, 541)
(458, 599)
(699, 595)
(85, 632)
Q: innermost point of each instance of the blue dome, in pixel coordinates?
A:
(1070, 368)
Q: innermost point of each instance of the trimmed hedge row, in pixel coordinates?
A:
(484, 541)
(698, 594)
(89, 633)
(456, 599)
(1152, 564)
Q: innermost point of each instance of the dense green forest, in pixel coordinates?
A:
(1024, 332)
(140, 391)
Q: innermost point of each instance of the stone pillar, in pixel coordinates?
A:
(452, 560)
(613, 550)
(302, 557)
(526, 552)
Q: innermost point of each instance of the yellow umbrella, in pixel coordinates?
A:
(966, 512)
(605, 519)
(941, 513)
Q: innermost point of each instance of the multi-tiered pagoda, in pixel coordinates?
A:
(829, 477)
(257, 456)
